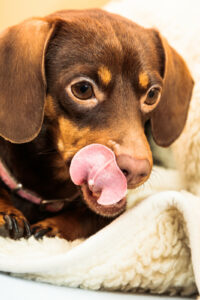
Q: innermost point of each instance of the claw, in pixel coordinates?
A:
(8, 221)
(34, 229)
(41, 233)
(15, 230)
(27, 229)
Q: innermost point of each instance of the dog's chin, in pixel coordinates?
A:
(103, 210)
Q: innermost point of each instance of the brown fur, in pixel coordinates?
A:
(42, 127)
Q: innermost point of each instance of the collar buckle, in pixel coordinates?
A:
(17, 188)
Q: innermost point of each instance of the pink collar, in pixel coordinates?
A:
(16, 187)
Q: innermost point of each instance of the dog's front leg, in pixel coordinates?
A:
(12, 222)
(71, 224)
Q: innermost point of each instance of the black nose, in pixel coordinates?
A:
(135, 170)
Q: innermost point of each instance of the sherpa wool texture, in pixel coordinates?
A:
(155, 245)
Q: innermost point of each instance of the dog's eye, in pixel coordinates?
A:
(82, 90)
(152, 96)
(151, 99)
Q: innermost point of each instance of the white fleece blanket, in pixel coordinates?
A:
(155, 245)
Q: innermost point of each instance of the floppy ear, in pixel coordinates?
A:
(168, 120)
(22, 79)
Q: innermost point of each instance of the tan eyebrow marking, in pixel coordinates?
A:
(105, 74)
(143, 79)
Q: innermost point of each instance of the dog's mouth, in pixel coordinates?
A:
(110, 210)
(103, 184)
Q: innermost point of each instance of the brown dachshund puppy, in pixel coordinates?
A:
(72, 79)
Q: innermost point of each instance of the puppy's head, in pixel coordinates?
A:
(100, 77)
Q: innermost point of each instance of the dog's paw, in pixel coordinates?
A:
(14, 225)
(42, 229)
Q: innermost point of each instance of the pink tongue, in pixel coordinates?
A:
(95, 165)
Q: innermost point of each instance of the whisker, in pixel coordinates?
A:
(53, 151)
(47, 152)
